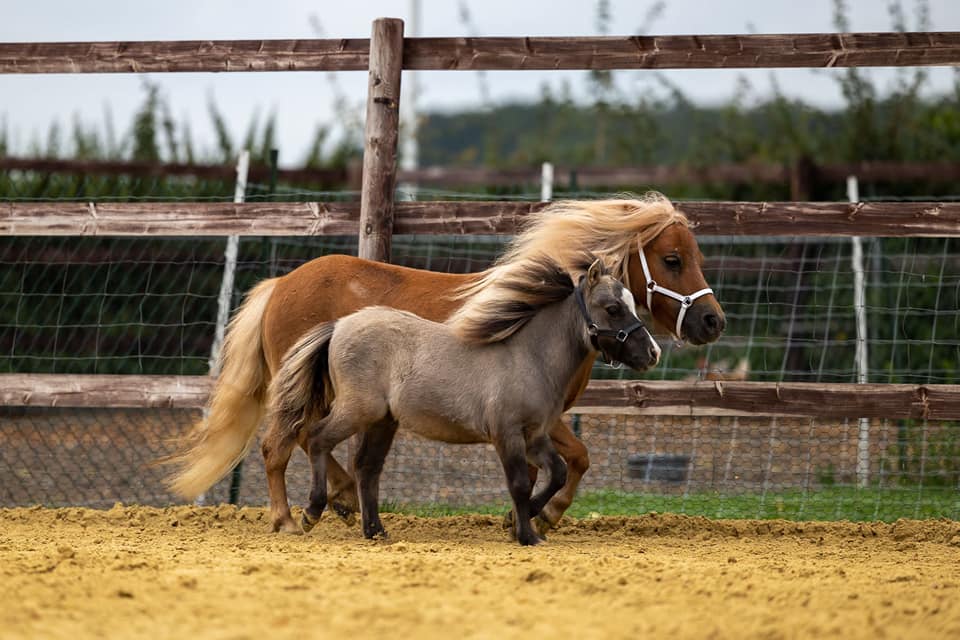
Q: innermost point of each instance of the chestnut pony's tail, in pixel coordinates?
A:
(219, 441)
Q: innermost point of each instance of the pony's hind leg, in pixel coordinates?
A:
(318, 492)
(276, 449)
(374, 447)
(343, 491)
(336, 427)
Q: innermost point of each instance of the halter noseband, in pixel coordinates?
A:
(596, 332)
(686, 301)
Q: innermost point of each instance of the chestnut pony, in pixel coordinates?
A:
(496, 371)
(646, 241)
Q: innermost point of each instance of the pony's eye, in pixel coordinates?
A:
(672, 261)
(614, 310)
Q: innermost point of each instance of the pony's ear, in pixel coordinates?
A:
(594, 272)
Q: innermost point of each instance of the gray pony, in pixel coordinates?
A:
(497, 371)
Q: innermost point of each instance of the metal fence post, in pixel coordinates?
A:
(225, 298)
(546, 182)
(862, 362)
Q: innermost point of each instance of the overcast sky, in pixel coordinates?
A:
(302, 100)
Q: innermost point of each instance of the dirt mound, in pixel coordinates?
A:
(216, 572)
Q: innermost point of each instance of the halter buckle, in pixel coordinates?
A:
(651, 285)
(686, 301)
(622, 336)
(593, 329)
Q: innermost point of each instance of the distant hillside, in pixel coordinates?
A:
(900, 127)
(522, 134)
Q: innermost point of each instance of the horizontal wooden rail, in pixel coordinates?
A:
(894, 219)
(162, 170)
(67, 390)
(796, 399)
(895, 401)
(450, 176)
(884, 219)
(635, 176)
(610, 52)
(184, 56)
(896, 172)
(252, 219)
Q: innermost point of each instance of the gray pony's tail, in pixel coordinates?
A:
(301, 391)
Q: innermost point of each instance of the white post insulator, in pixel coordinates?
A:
(860, 315)
(546, 182)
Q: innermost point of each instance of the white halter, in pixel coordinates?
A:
(653, 287)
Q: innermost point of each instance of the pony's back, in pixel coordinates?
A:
(366, 342)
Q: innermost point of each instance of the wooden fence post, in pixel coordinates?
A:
(380, 139)
(803, 178)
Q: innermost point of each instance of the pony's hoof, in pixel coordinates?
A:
(307, 523)
(286, 525)
(542, 526)
(348, 515)
(530, 540)
(509, 525)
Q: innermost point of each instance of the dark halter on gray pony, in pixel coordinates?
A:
(596, 332)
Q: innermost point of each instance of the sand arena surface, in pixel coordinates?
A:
(186, 572)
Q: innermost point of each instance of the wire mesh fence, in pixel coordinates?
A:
(149, 305)
(795, 468)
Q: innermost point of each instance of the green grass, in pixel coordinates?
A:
(832, 503)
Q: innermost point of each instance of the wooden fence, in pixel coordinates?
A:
(825, 219)
(564, 176)
(812, 50)
(377, 217)
(635, 397)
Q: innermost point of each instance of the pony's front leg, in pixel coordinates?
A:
(542, 452)
(511, 449)
(374, 447)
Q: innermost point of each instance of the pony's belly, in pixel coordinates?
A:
(434, 427)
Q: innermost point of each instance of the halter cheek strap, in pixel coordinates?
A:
(686, 301)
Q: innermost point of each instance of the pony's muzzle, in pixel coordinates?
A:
(640, 351)
(704, 323)
(653, 350)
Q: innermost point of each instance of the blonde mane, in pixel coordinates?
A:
(564, 233)
(522, 292)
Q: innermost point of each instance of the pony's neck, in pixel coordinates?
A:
(557, 338)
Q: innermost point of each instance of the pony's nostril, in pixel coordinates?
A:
(711, 320)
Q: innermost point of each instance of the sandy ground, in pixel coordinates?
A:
(186, 572)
